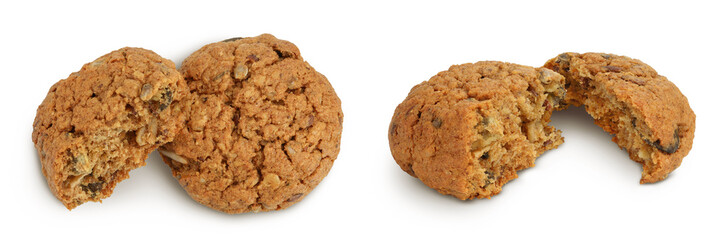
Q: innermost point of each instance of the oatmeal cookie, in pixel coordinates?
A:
(104, 120)
(646, 113)
(264, 127)
(467, 131)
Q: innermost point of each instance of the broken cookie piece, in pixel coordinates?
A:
(104, 120)
(646, 113)
(468, 130)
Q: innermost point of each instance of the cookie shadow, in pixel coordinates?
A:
(583, 137)
(155, 164)
(577, 127)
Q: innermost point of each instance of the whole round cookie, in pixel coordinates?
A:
(466, 131)
(647, 113)
(104, 120)
(264, 127)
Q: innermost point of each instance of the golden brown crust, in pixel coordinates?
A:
(466, 131)
(647, 113)
(264, 126)
(104, 120)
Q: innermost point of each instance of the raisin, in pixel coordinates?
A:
(547, 106)
(672, 148)
(283, 55)
(410, 170)
(95, 187)
(532, 90)
(612, 69)
(156, 106)
(233, 39)
(437, 123)
(166, 97)
(564, 57)
(295, 197)
(657, 144)
(490, 178)
(393, 127)
(586, 83)
(634, 79)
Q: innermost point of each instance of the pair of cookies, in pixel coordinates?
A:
(246, 125)
(468, 130)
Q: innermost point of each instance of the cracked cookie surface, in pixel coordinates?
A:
(468, 130)
(102, 121)
(646, 113)
(264, 127)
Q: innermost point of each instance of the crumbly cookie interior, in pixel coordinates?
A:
(511, 136)
(102, 121)
(100, 159)
(615, 118)
(468, 130)
(93, 168)
(608, 87)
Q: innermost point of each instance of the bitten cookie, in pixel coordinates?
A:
(647, 114)
(264, 127)
(104, 120)
(466, 131)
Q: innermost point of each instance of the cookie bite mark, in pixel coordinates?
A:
(467, 131)
(647, 114)
(103, 121)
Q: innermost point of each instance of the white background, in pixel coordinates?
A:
(373, 52)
